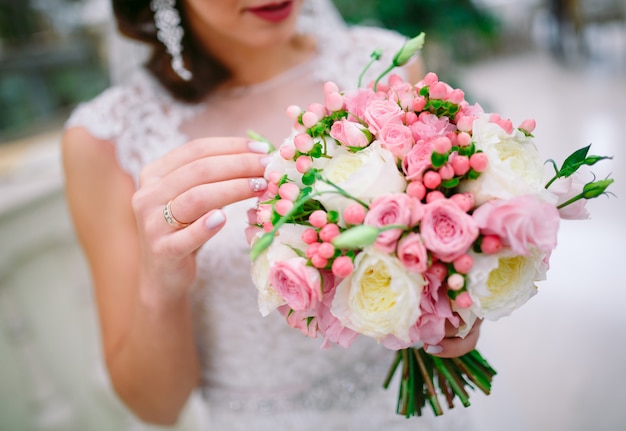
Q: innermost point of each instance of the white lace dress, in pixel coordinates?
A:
(258, 373)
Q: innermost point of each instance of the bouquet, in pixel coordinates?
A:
(398, 207)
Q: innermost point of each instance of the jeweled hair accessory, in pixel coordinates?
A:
(170, 33)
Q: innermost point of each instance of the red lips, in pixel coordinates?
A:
(273, 12)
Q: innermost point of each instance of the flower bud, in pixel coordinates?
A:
(409, 49)
(356, 237)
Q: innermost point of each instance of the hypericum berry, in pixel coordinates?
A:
(460, 164)
(354, 214)
(463, 139)
(283, 206)
(446, 172)
(463, 264)
(303, 164)
(318, 261)
(342, 267)
(479, 162)
(309, 119)
(456, 282)
(289, 191)
(439, 270)
(416, 189)
(491, 244)
(309, 236)
(326, 250)
(431, 180)
(329, 232)
(287, 152)
(303, 142)
(464, 300)
(465, 201)
(318, 218)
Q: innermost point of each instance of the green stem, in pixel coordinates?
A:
(382, 75)
(570, 201)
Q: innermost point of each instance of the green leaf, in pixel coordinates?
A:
(438, 160)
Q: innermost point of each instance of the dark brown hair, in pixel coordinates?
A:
(135, 20)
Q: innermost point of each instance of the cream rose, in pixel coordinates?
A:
(281, 249)
(365, 175)
(515, 166)
(501, 283)
(380, 298)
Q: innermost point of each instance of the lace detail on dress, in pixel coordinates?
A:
(141, 118)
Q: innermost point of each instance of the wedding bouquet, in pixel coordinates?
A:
(398, 207)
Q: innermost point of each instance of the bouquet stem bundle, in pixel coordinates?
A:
(422, 374)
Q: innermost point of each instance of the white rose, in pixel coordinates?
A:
(364, 175)
(515, 166)
(503, 282)
(380, 298)
(289, 237)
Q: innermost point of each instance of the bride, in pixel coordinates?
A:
(159, 176)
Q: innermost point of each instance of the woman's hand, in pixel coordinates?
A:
(197, 179)
(453, 346)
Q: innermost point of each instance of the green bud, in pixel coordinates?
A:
(409, 49)
(596, 188)
(356, 237)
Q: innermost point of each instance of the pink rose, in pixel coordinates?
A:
(357, 101)
(429, 126)
(304, 321)
(397, 138)
(417, 160)
(393, 209)
(412, 253)
(447, 231)
(329, 326)
(521, 222)
(381, 112)
(350, 134)
(436, 309)
(298, 284)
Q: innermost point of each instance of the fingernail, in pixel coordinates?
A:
(266, 161)
(215, 219)
(257, 184)
(433, 350)
(259, 147)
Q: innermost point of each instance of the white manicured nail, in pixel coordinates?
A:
(433, 350)
(215, 219)
(259, 147)
(258, 184)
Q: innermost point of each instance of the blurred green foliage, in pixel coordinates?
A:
(464, 29)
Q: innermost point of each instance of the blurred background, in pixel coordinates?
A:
(560, 358)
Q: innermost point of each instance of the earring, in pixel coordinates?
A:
(170, 33)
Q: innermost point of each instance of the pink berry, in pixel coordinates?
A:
(465, 123)
(438, 90)
(309, 119)
(287, 152)
(419, 104)
(463, 264)
(342, 267)
(460, 164)
(434, 195)
(491, 244)
(303, 164)
(430, 78)
(416, 189)
(465, 201)
(456, 96)
(410, 118)
(329, 232)
(312, 250)
(432, 180)
(439, 270)
(318, 218)
(479, 162)
(309, 236)
(318, 261)
(456, 282)
(303, 142)
(330, 87)
(446, 172)
(464, 300)
(354, 214)
(283, 206)
(274, 177)
(333, 101)
(293, 111)
(326, 250)
(289, 191)
(464, 139)
(318, 109)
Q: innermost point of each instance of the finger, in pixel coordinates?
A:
(198, 149)
(452, 347)
(211, 170)
(193, 203)
(186, 241)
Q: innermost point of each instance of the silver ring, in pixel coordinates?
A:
(170, 219)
